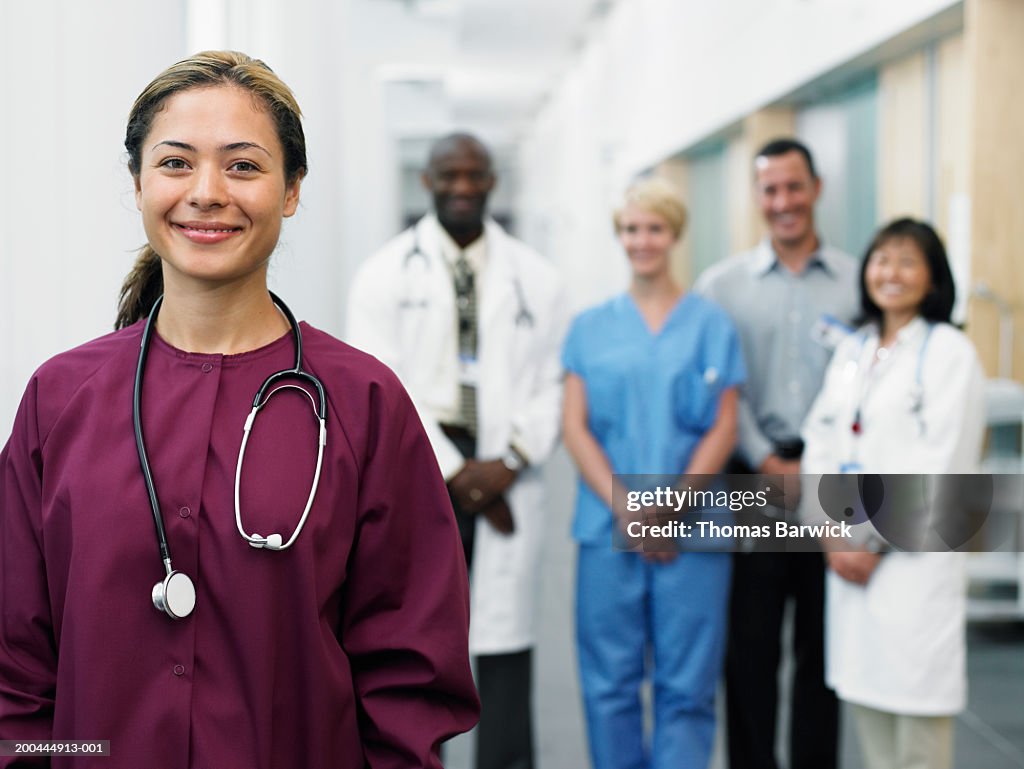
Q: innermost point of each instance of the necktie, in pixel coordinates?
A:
(465, 301)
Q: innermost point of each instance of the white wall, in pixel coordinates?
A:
(655, 76)
(68, 224)
(300, 42)
(568, 181)
(660, 75)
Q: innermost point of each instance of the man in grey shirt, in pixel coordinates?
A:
(791, 298)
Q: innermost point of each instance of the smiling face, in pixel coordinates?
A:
(211, 187)
(460, 178)
(786, 193)
(647, 238)
(897, 277)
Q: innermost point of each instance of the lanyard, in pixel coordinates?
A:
(917, 392)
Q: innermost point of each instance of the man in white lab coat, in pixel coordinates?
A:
(472, 321)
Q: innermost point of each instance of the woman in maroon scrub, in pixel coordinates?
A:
(338, 637)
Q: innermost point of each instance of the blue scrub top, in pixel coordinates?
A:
(650, 397)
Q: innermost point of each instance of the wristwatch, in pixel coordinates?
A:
(513, 460)
(877, 544)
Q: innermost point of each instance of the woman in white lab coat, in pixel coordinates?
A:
(902, 395)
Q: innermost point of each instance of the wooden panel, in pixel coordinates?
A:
(902, 139)
(951, 174)
(676, 171)
(744, 230)
(994, 30)
(759, 128)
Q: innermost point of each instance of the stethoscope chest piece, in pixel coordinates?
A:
(175, 596)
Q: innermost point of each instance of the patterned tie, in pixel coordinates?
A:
(465, 302)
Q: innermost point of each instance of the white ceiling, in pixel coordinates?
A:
(482, 65)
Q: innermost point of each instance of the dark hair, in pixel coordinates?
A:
(937, 305)
(144, 283)
(777, 147)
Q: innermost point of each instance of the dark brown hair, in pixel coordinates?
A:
(783, 146)
(937, 305)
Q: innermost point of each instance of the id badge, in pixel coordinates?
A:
(469, 375)
(829, 332)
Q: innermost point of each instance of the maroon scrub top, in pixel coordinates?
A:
(347, 650)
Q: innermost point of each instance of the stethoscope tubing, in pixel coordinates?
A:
(917, 391)
(257, 540)
(523, 316)
(175, 594)
(140, 443)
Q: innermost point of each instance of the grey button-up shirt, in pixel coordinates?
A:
(786, 338)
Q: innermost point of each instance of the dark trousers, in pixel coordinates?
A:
(504, 736)
(762, 583)
(505, 733)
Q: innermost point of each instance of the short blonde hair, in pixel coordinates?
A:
(658, 196)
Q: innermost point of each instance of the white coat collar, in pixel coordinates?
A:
(430, 234)
(911, 332)
(427, 233)
(497, 289)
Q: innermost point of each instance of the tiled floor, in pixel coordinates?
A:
(989, 735)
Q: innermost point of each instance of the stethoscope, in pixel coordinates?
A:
(916, 395)
(175, 595)
(523, 317)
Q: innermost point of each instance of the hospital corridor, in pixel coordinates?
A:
(512, 384)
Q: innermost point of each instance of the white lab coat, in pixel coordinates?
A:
(897, 644)
(402, 310)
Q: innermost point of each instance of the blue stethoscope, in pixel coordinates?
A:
(523, 316)
(175, 595)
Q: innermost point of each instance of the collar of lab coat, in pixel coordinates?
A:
(475, 253)
(499, 280)
(500, 273)
(910, 333)
(431, 235)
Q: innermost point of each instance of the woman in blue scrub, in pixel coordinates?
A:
(650, 389)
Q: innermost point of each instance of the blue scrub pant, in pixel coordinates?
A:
(631, 614)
